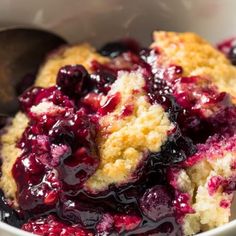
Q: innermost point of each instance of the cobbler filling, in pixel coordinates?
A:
(59, 151)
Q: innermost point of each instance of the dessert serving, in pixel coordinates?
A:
(124, 140)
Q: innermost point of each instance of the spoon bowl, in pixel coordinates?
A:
(22, 52)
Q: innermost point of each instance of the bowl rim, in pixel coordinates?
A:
(221, 230)
(11, 229)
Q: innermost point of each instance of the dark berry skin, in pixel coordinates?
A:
(114, 49)
(232, 55)
(70, 79)
(156, 203)
(176, 149)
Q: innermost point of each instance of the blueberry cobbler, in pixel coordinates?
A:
(124, 140)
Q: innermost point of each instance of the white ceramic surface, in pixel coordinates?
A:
(99, 21)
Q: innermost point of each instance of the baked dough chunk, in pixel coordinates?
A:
(197, 57)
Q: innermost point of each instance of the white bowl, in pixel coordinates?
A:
(99, 21)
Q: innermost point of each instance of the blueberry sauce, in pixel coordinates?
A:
(225, 203)
(59, 151)
(127, 110)
(52, 226)
(214, 183)
(110, 104)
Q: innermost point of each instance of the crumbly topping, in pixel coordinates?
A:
(82, 54)
(9, 153)
(197, 57)
(123, 141)
(46, 107)
(208, 177)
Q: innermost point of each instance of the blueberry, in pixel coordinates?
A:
(176, 149)
(70, 79)
(114, 49)
(232, 55)
(156, 203)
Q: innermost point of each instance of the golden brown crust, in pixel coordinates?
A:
(81, 54)
(9, 153)
(123, 141)
(197, 57)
